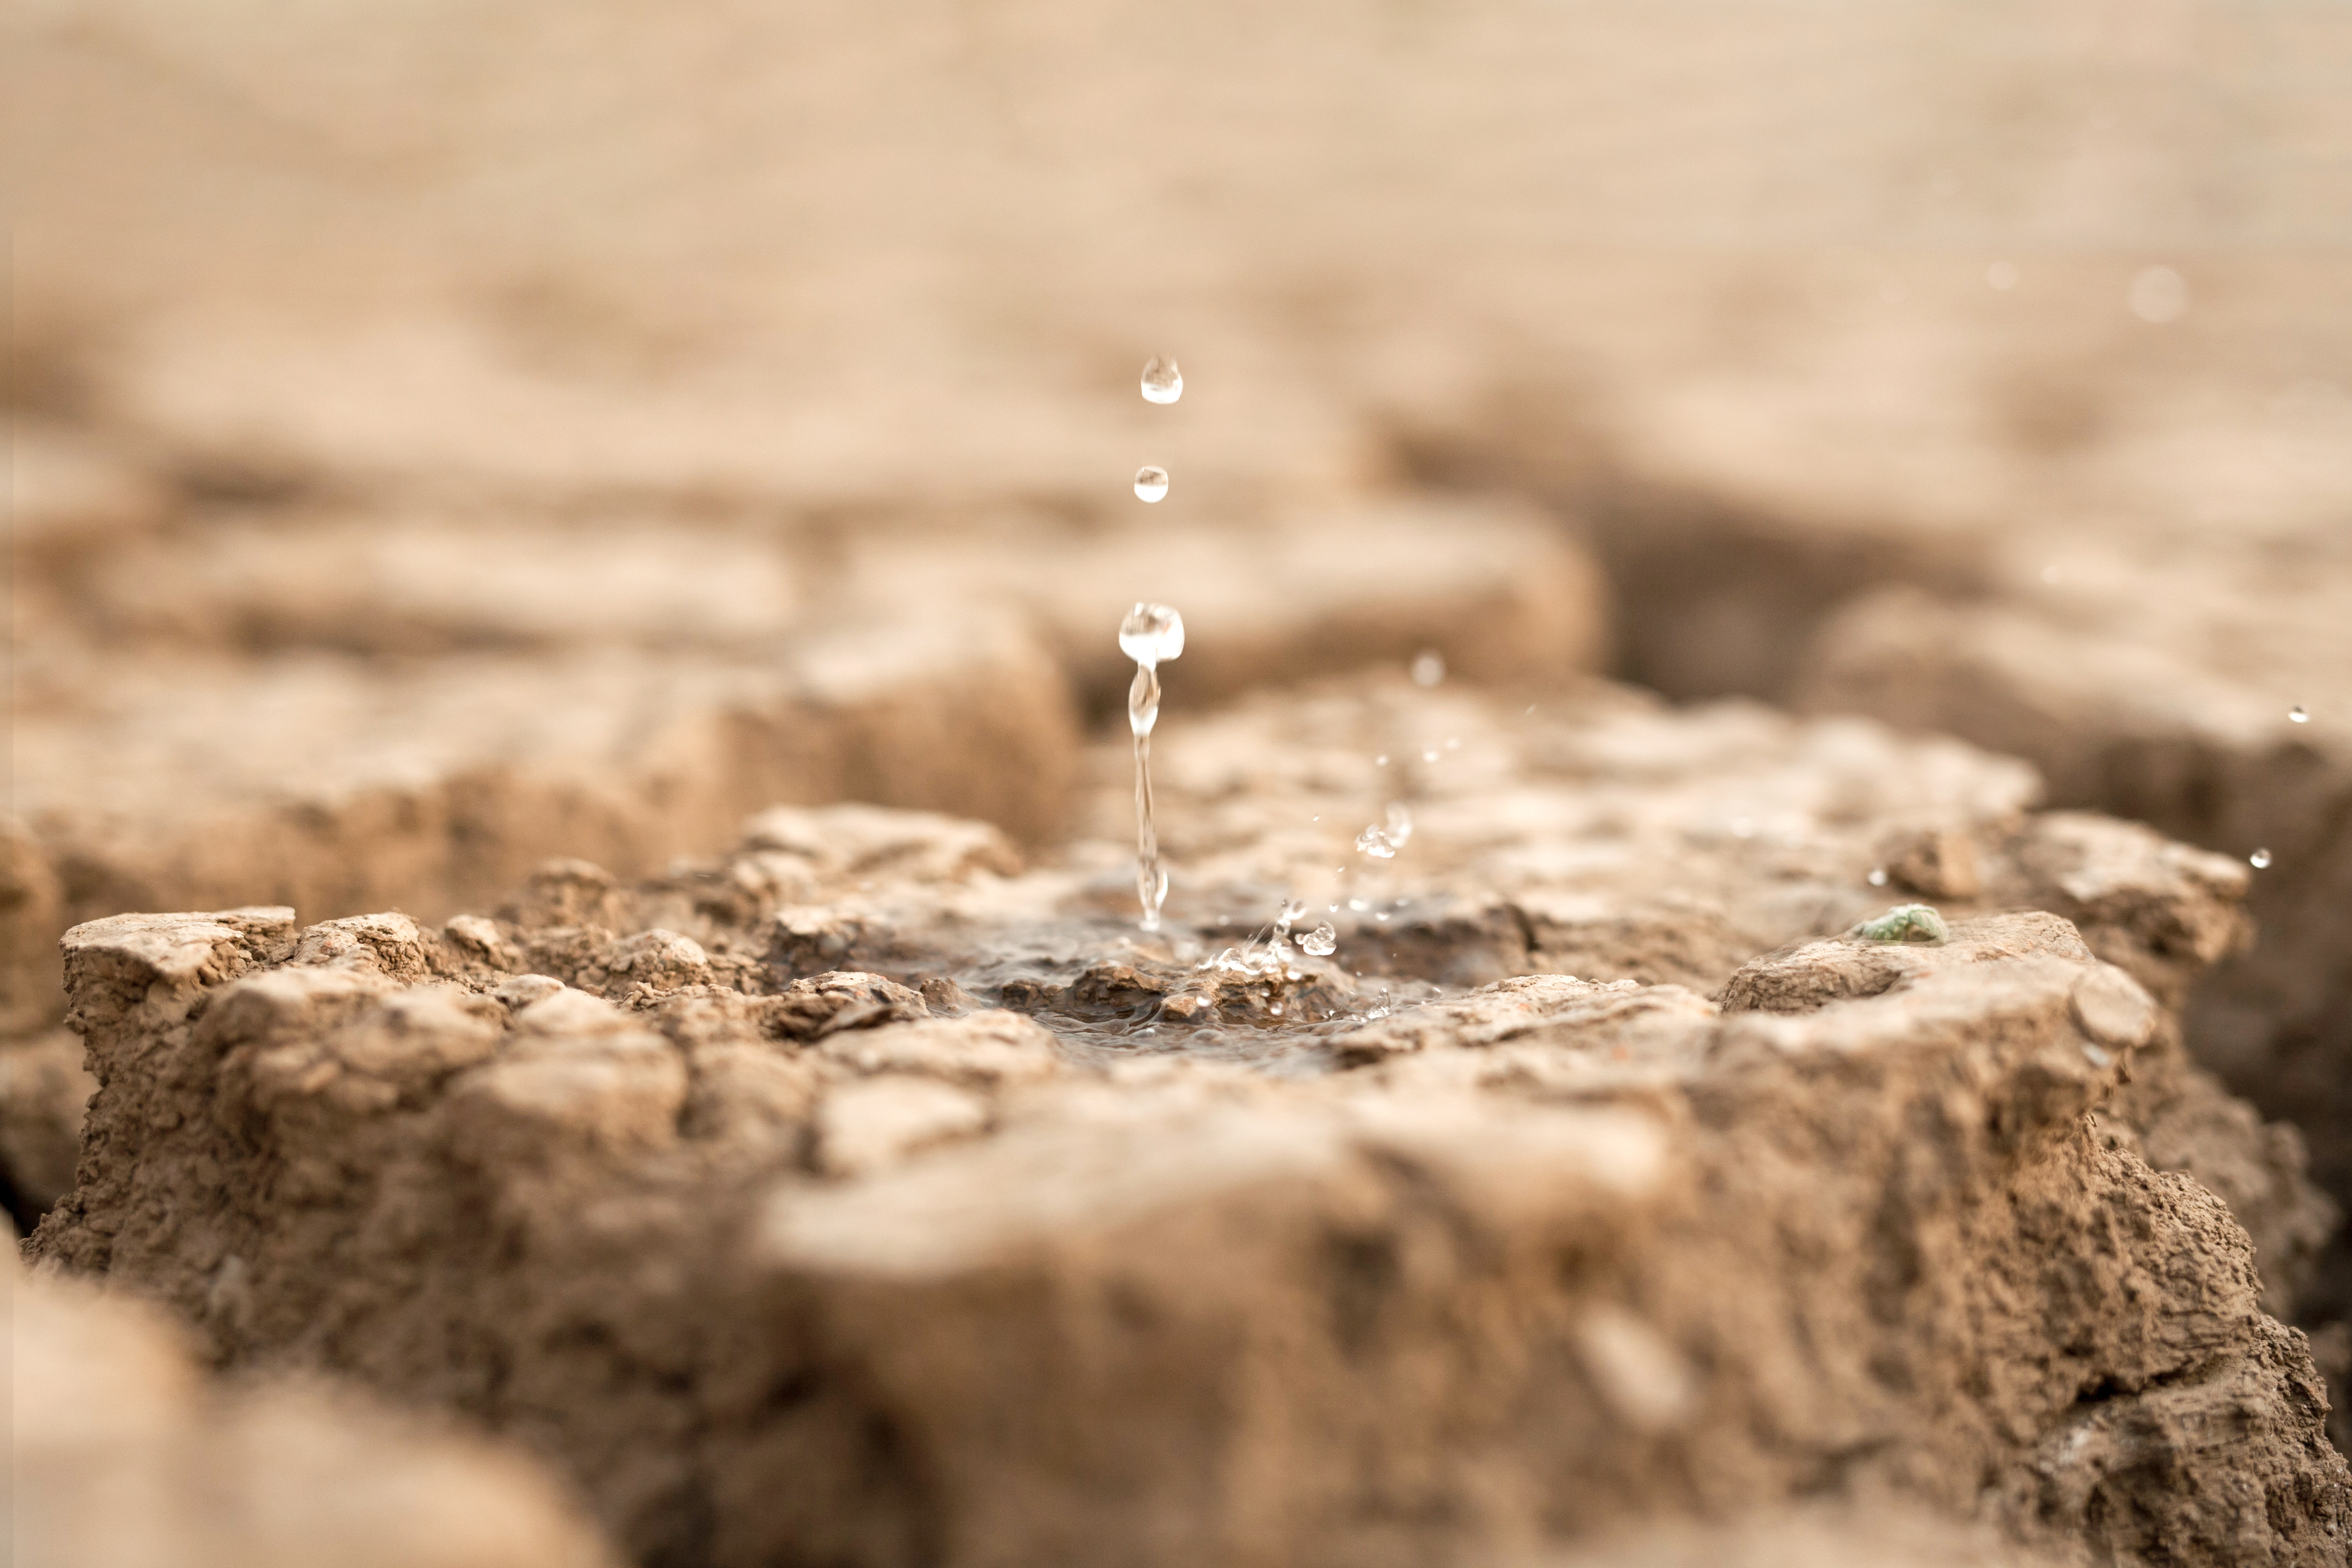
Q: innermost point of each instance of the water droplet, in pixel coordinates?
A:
(1371, 841)
(1276, 1009)
(1320, 942)
(2157, 295)
(1878, 878)
(1359, 905)
(2001, 276)
(2298, 714)
(1150, 634)
(1429, 753)
(1163, 382)
(2260, 859)
(1400, 829)
(1428, 667)
(1151, 483)
(1379, 762)
(1382, 916)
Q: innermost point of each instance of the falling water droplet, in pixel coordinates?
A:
(1359, 905)
(1400, 823)
(1151, 483)
(1428, 667)
(1320, 942)
(1163, 382)
(1149, 633)
(2298, 714)
(1878, 878)
(2260, 859)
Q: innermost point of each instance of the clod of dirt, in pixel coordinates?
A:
(2163, 691)
(779, 1265)
(126, 1457)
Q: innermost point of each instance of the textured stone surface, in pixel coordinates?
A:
(340, 787)
(861, 1196)
(43, 1088)
(2160, 687)
(124, 1456)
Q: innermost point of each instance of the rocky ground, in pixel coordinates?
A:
(494, 485)
(865, 1194)
(124, 1455)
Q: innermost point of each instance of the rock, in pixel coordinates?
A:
(341, 787)
(2163, 691)
(780, 1262)
(1297, 591)
(43, 1089)
(126, 1456)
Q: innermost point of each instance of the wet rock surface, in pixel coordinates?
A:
(864, 1196)
(354, 710)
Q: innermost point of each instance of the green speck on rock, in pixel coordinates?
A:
(1904, 922)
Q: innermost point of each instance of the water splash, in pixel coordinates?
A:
(1382, 841)
(1320, 942)
(1149, 633)
(1151, 483)
(1163, 382)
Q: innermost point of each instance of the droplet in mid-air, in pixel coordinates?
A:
(2260, 859)
(1151, 634)
(1382, 842)
(1320, 942)
(1428, 667)
(2298, 714)
(1151, 483)
(1163, 382)
(1878, 878)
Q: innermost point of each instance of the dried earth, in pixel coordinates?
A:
(2139, 612)
(226, 702)
(865, 1197)
(125, 1455)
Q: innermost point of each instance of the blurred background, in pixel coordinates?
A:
(447, 435)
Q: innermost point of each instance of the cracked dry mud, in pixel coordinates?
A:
(125, 1457)
(862, 1196)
